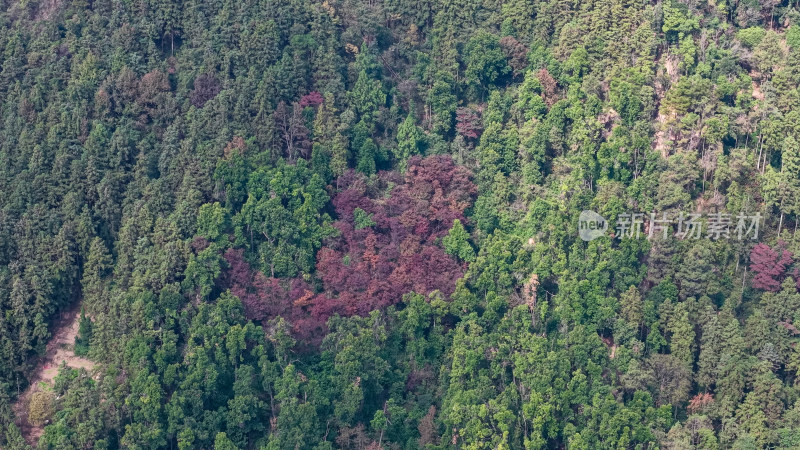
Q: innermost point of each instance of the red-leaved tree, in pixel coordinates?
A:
(263, 297)
(312, 99)
(385, 250)
(468, 123)
(769, 266)
(206, 87)
(373, 267)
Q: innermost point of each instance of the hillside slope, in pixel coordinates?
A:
(402, 224)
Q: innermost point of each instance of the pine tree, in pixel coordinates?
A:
(366, 157)
(710, 348)
(84, 336)
(367, 94)
(95, 271)
(631, 306)
(682, 335)
(410, 141)
(695, 275)
(790, 171)
(732, 365)
(456, 243)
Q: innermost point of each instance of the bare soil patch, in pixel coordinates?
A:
(59, 349)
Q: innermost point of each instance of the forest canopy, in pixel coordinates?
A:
(292, 224)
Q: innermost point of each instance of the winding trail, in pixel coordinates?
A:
(59, 349)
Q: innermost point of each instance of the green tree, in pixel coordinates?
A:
(221, 442)
(40, 408)
(211, 221)
(456, 243)
(410, 141)
(485, 63)
(84, 335)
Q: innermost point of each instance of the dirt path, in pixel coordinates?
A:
(59, 349)
(672, 68)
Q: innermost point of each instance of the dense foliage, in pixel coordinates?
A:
(353, 224)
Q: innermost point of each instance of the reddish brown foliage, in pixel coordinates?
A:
(235, 146)
(790, 328)
(151, 94)
(516, 53)
(206, 87)
(151, 85)
(549, 85)
(372, 267)
(199, 244)
(427, 429)
(769, 266)
(468, 123)
(312, 99)
(700, 402)
(261, 296)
